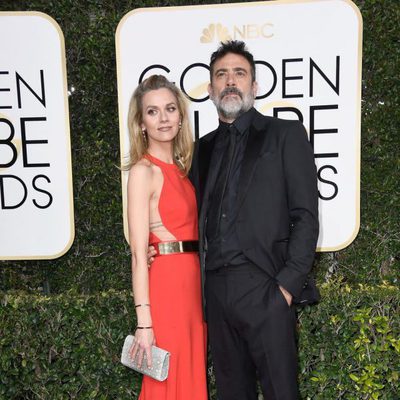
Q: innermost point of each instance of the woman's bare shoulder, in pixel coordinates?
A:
(142, 167)
(141, 171)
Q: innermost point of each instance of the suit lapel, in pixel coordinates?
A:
(210, 161)
(211, 165)
(254, 146)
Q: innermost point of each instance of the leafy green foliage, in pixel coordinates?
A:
(68, 346)
(375, 254)
(99, 257)
(349, 344)
(65, 346)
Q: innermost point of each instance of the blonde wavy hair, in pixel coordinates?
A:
(183, 141)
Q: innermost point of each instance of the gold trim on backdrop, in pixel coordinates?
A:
(67, 134)
(123, 125)
(358, 138)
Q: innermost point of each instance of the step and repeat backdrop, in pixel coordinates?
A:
(36, 199)
(308, 57)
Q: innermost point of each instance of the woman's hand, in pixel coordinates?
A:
(151, 253)
(144, 339)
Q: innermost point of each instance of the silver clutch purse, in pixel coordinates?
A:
(160, 358)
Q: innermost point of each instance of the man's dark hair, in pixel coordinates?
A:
(235, 47)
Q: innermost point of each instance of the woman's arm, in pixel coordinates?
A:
(140, 189)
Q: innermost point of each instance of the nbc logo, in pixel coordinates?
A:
(215, 32)
(220, 33)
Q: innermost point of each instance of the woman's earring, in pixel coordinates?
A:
(180, 125)
(144, 133)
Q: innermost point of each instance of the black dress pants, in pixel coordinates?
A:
(252, 335)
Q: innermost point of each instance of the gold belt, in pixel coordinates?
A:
(185, 246)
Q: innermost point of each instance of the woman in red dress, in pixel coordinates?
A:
(162, 209)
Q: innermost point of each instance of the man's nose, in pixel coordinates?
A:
(231, 79)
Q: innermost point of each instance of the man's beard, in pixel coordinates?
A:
(231, 108)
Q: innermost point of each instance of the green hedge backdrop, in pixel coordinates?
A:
(62, 321)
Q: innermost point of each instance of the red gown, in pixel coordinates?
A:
(175, 296)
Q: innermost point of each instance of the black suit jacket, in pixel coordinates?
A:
(277, 221)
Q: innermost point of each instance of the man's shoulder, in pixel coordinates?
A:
(208, 137)
(260, 122)
(283, 131)
(263, 121)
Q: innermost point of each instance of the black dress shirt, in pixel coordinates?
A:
(224, 248)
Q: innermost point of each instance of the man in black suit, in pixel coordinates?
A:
(257, 190)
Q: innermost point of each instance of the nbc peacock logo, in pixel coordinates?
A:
(215, 32)
(221, 33)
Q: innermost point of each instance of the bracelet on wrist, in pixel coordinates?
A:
(144, 327)
(142, 305)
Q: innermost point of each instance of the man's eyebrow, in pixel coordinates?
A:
(221, 70)
(226, 69)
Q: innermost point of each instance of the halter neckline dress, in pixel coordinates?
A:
(175, 295)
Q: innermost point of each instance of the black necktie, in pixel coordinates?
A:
(214, 214)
